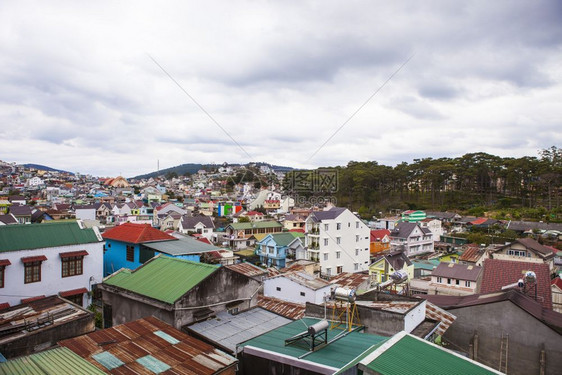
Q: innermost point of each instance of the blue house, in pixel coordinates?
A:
(275, 248)
(125, 246)
(131, 245)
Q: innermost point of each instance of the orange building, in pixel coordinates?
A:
(380, 241)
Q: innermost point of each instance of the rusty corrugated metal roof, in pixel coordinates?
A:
(350, 280)
(247, 269)
(436, 313)
(132, 341)
(289, 310)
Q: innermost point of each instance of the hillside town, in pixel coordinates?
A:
(215, 272)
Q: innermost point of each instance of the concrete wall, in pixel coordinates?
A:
(45, 338)
(377, 322)
(291, 291)
(126, 309)
(527, 336)
(220, 291)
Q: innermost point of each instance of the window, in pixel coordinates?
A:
(328, 271)
(325, 226)
(340, 269)
(2, 268)
(356, 238)
(325, 256)
(467, 283)
(72, 266)
(458, 282)
(32, 272)
(325, 242)
(439, 279)
(338, 240)
(338, 254)
(356, 224)
(448, 281)
(130, 253)
(104, 249)
(77, 298)
(338, 226)
(356, 266)
(109, 245)
(356, 252)
(278, 288)
(303, 294)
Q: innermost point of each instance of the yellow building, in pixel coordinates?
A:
(386, 264)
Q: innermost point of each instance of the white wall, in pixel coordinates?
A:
(414, 317)
(52, 281)
(347, 246)
(86, 213)
(291, 291)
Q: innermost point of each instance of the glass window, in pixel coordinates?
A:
(72, 266)
(338, 226)
(325, 242)
(325, 226)
(338, 254)
(325, 256)
(32, 272)
(338, 240)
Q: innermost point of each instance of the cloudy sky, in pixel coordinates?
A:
(79, 89)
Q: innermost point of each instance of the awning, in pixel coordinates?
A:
(38, 258)
(73, 292)
(5, 262)
(31, 299)
(69, 254)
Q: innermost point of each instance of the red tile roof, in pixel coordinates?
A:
(136, 233)
(378, 234)
(499, 273)
(480, 220)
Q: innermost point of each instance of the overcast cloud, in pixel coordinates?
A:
(78, 90)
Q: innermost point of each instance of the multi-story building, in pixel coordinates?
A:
(39, 260)
(413, 238)
(338, 240)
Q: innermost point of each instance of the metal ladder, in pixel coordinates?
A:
(504, 349)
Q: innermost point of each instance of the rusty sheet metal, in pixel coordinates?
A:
(247, 269)
(436, 313)
(289, 310)
(351, 280)
(130, 341)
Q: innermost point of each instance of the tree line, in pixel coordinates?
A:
(474, 181)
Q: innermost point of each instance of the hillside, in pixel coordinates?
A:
(191, 168)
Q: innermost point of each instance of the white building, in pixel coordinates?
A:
(415, 239)
(85, 212)
(298, 287)
(435, 226)
(34, 182)
(62, 258)
(338, 240)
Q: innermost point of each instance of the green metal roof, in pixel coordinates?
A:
(281, 239)
(35, 236)
(183, 246)
(58, 361)
(406, 354)
(257, 224)
(337, 354)
(163, 278)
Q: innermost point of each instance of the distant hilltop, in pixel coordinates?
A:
(192, 168)
(45, 168)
